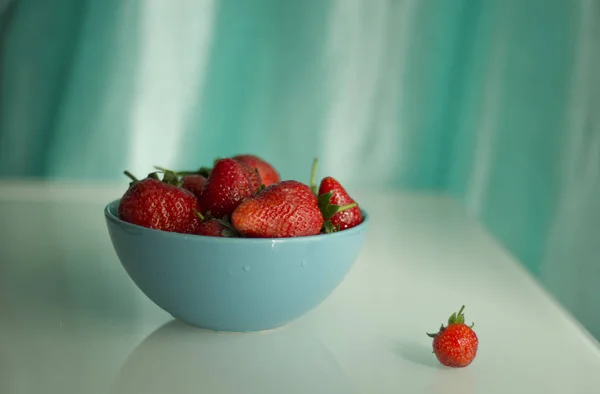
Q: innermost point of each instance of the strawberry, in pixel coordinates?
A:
(339, 210)
(194, 183)
(284, 209)
(337, 206)
(253, 176)
(268, 174)
(229, 183)
(214, 227)
(161, 205)
(456, 345)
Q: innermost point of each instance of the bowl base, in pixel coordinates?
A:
(265, 331)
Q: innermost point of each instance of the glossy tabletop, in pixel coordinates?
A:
(71, 321)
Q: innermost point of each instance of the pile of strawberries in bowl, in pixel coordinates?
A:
(233, 247)
(241, 196)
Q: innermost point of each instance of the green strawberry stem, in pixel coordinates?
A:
(185, 173)
(131, 176)
(167, 171)
(134, 180)
(345, 207)
(313, 176)
(197, 213)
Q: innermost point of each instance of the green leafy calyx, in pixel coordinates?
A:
(171, 178)
(455, 318)
(328, 210)
(199, 215)
(329, 227)
(204, 171)
(228, 229)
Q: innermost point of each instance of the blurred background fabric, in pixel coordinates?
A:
(496, 102)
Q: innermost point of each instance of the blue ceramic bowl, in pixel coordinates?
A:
(233, 284)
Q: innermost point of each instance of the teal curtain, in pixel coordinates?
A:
(493, 101)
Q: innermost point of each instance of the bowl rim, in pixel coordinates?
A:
(113, 205)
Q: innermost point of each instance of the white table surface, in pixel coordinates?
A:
(71, 321)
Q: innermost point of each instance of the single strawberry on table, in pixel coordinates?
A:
(284, 209)
(159, 204)
(267, 172)
(455, 345)
(230, 182)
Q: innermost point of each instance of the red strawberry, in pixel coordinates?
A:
(227, 186)
(456, 345)
(160, 205)
(284, 209)
(253, 176)
(215, 228)
(194, 183)
(337, 206)
(268, 174)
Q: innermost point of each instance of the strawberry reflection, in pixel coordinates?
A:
(183, 359)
